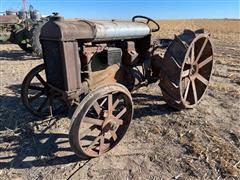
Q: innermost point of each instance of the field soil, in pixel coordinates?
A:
(161, 143)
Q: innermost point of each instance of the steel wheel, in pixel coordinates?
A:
(101, 120)
(38, 97)
(188, 65)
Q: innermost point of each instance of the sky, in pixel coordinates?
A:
(125, 9)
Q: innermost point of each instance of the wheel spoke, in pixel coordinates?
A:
(188, 61)
(41, 79)
(115, 103)
(42, 105)
(202, 79)
(206, 61)
(103, 102)
(186, 90)
(193, 53)
(110, 108)
(194, 91)
(121, 113)
(50, 104)
(185, 73)
(94, 121)
(119, 121)
(94, 142)
(114, 135)
(201, 51)
(33, 98)
(101, 145)
(36, 88)
(97, 108)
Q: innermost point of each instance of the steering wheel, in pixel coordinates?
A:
(148, 20)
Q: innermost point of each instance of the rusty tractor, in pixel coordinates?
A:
(22, 28)
(92, 66)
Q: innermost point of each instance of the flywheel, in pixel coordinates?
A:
(186, 69)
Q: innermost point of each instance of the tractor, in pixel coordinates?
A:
(22, 28)
(93, 66)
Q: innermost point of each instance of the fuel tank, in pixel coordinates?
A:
(120, 30)
(93, 31)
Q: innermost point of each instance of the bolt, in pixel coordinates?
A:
(113, 125)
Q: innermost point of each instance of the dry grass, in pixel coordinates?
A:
(170, 27)
(226, 87)
(223, 26)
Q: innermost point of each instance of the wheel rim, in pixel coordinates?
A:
(38, 97)
(196, 70)
(104, 120)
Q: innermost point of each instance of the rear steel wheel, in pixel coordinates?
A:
(101, 120)
(187, 69)
(38, 97)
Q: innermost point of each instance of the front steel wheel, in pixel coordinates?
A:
(101, 120)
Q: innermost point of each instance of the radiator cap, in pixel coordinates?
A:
(56, 17)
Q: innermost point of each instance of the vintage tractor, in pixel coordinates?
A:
(22, 28)
(92, 66)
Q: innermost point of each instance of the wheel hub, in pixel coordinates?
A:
(193, 70)
(113, 125)
(109, 124)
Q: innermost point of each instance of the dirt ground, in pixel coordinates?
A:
(161, 143)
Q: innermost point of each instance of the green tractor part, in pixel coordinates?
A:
(28, 38)
(22, 28)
